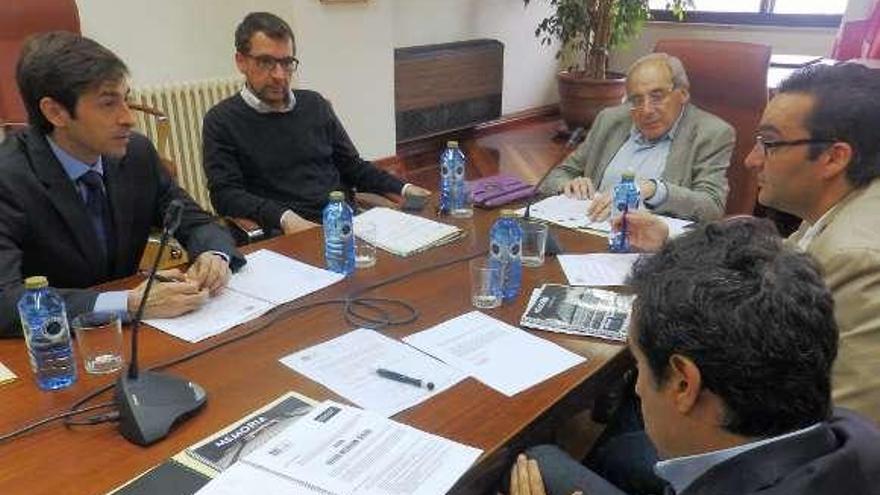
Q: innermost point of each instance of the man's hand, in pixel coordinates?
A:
(414, 190)
(292, 223)
(525, 478)
(647, 233)
(647, 189)
(600, 208)
(579, 188)
(168, 299)
(209, 271)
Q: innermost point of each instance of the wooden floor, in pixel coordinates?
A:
(526, 150)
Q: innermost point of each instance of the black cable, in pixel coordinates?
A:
(352, 316)
(37, 424)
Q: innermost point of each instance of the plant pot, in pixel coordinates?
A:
(582, 98)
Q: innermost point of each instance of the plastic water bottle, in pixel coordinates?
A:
(505, 250)
(626, 199)
(338, 235)
(47, 334)
(453, 190)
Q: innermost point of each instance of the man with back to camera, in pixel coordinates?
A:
(679, 153)
(272, 154)
(734, 338)
(79, 192)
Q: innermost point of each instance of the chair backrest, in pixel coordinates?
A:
(728, 79)
(20, 19)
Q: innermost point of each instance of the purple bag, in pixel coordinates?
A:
(497, 190)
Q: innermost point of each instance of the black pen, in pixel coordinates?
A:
(399, 377)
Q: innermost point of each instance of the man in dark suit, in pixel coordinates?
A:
(734, 338)
(79, 191)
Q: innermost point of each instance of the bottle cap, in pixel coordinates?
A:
(36, 282)
(337, 196)
(628, 175)
(506, 213)
(452, 144)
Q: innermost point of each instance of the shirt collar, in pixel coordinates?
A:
(74, 167)
(260, 106)
(636, 135)
(814, 229)
(681, 472)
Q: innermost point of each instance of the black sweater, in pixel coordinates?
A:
(260, 164)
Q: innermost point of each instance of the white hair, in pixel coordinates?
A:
(676, 68)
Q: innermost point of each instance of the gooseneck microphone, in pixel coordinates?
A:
(150, 403)
(552, 246)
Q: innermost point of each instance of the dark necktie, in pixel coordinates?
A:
(99, 210)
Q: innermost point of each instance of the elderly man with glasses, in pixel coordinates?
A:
(678, 152)
(273, 154)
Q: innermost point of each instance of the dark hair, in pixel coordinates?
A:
(754, 316)
(846, 109)
(62, 66)
(263, 22)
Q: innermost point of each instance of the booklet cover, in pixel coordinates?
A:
(579, 310)
(226, 447)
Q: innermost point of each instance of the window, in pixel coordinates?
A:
(819, 13)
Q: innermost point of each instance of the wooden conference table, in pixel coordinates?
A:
(245, 375)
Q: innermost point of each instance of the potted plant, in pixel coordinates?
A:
(587, 30)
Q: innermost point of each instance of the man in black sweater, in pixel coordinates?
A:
(272, 154)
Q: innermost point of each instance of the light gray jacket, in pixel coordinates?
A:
(696, 168)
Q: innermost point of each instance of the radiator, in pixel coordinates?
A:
(184, 105)
(445, 87)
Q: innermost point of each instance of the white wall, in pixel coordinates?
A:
(529, 68)
(346, 50)
(807, 41)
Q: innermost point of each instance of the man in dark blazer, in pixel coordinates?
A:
(734, 337)
(79, 192)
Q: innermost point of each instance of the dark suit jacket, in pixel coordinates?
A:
(45, 229)
(841, 456)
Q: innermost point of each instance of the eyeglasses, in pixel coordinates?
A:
(267, 62)
(766, 145)
(655, 98)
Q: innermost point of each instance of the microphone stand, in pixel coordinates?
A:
(150, 403)
(552, 246)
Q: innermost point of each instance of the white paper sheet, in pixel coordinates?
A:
(243, 478)
(502, 356)
(347, 365)
(269, 279)
(279, 279)
(6, 375)
(572, 213)
(345, 450)
(567, 212)
(404, 234)
(597, 269)
(219, 314)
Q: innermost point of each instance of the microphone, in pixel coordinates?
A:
(552, 246)
(150, 403)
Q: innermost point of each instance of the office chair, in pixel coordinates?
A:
(728, 79)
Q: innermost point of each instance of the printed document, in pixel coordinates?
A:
(342, 450)
(501, 356)
(597, 269)
(404, 234)
(347, 365)
(572, 213)
(566, 212)
(267, 280)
